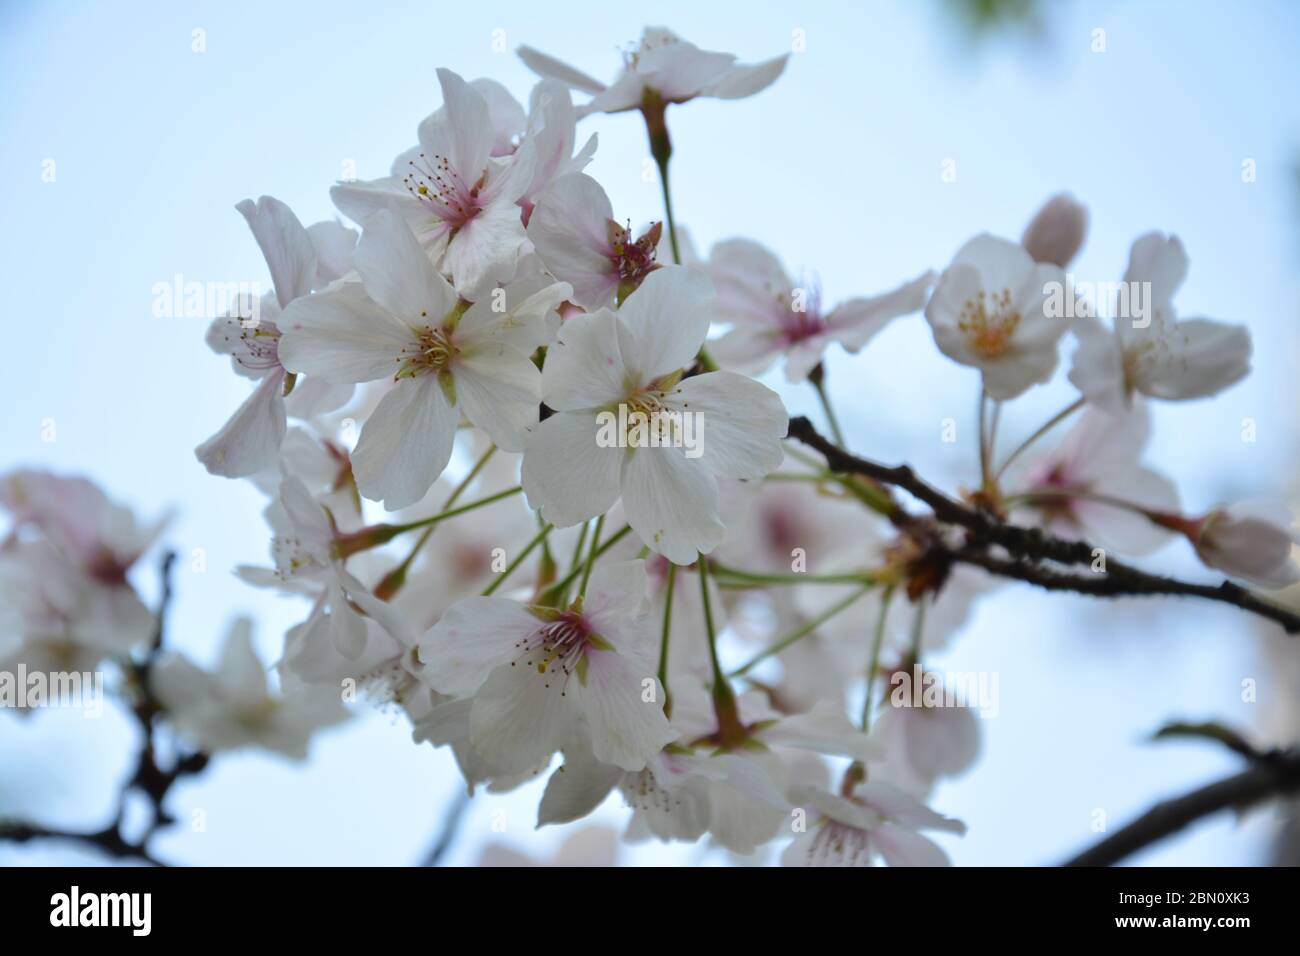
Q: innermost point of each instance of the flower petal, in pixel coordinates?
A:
(406, 443)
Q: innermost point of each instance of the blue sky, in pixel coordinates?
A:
(836, 168)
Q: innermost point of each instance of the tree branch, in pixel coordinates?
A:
(1029, 548)
(1274, 774)
(148, 777)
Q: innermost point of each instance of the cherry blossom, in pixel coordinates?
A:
(404, 320)
(770, 315)
(988, 311)
(457, 196)
(232, 707)
(636, 358)
(664, 66)
(1156, 353)
(538, 675)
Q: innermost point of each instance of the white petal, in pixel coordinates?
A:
(665, 321)
(671, 501)
(406, 443)
(249, 441)
(626, 728)
(285, 245)
(746, 79)
(584, 368)
(397, 272)
(520, 718)
(857, 320)
(342, 336)
(472, 638)
(566, 474)
(739, 423)
(576, 788)
(469, 126)
(484, 250)
(1197, 357)
(548, 66)
(902, 847)
(499, 390)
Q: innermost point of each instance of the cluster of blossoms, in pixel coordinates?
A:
(553, 597)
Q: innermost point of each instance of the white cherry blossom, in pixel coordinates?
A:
(635, 359)
(403, 320)
(458, 197)
(770, 315)
(664, 66)
(539, 675)
(1156, 353)
(989, 311)
(233, 706)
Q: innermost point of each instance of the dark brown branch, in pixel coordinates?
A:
(1029, 548)
(1273, 775)
(110, 839)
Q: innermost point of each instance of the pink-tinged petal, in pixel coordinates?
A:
(406, 443)
(475, 636)
(397, 272)
(566, 474)
(470, 134)
(285, 244)
(739, 423)
(569, 228)
(249, 441)
(671, 501)
(665, 321)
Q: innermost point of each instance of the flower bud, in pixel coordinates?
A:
(1055, 235)
(1251, 542)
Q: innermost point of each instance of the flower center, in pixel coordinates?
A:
(439, 186)
(431, 353)
(632, 259)
(839, 844)
(988, 322)
(557, 649)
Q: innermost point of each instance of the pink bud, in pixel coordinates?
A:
(1250, 541)
(1056, 234)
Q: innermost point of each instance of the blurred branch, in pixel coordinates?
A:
(1032, 556)
(148, 777)
(1274, 774)
(450, 828)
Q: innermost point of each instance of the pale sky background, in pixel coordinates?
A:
(836, 168)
